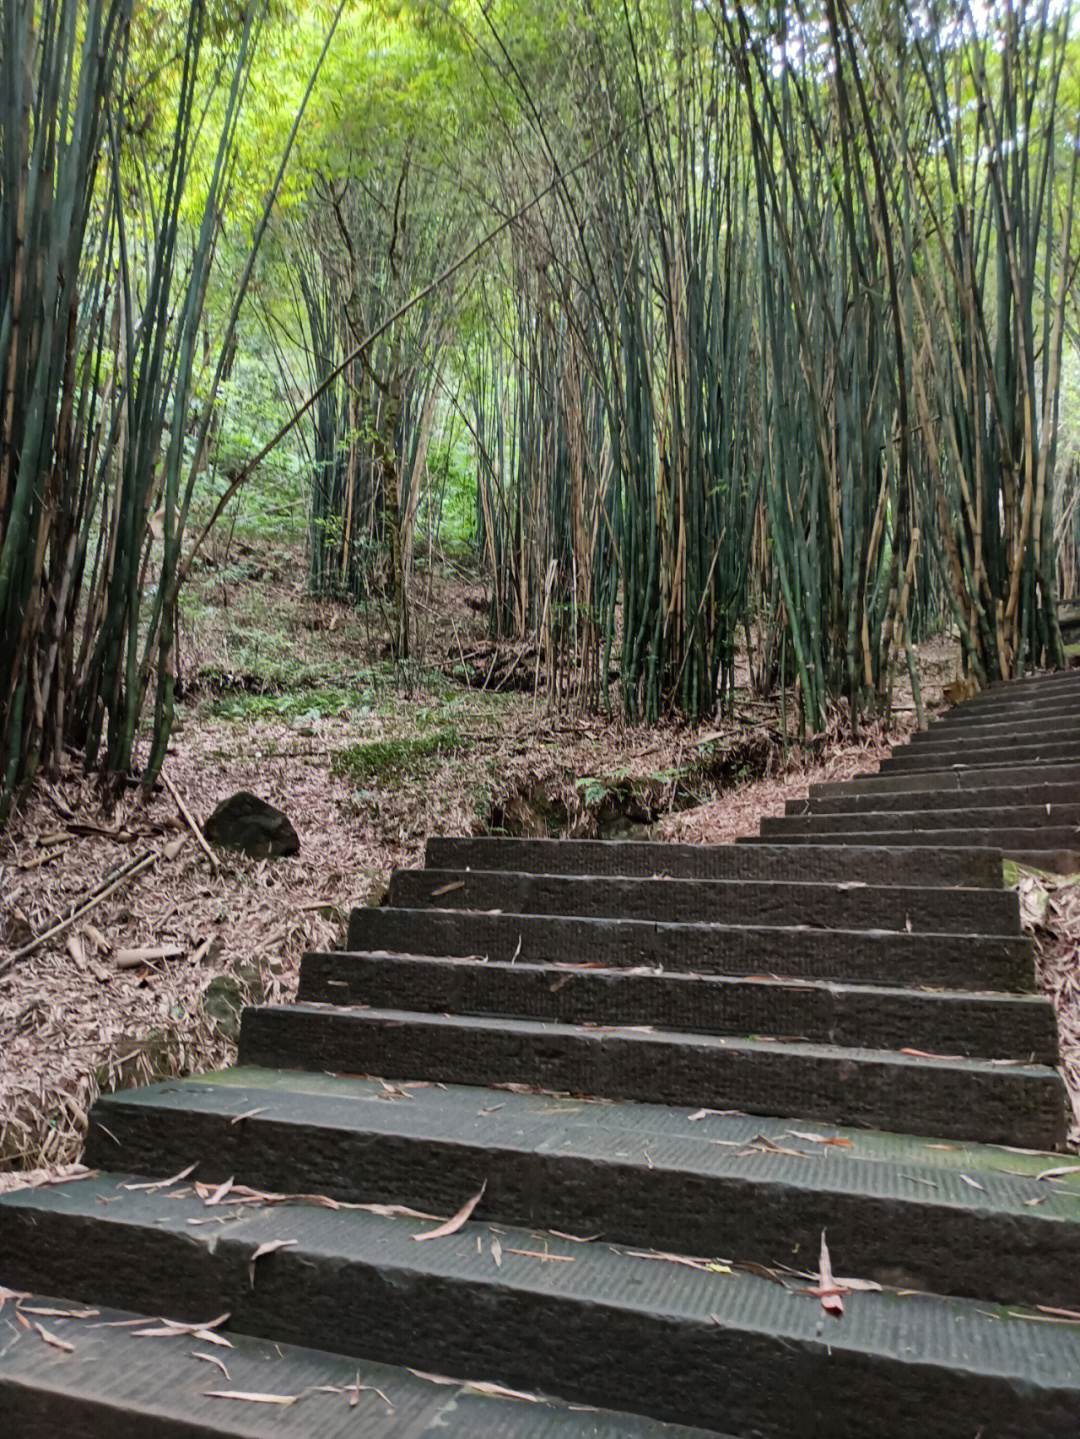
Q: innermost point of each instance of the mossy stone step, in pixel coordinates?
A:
(842, 905)
(953, 777)
(113, 1382)
(1036, 754)
(587, 1322)
(907, 1211)
(983, 962)
(1062, 819)
(644, 859)
(1056, 796)
(987, 1026)
(990, 1102)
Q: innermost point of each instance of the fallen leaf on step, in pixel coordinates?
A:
(219, 1193)
(52, 1339)
(153, 1185)
(212, 1359)
(544, 1258)
(826, 1288)
(822, 1139)
(973, 1183)
(170, 1328)
(460, 1218)
(447, 888)
(500, 1391)
(496, 1253)
(270, 1247)
(1059, 1173)
(282, 1399)
(44, 1313)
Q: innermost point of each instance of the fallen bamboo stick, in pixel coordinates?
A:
(189, 820)
(107, 887)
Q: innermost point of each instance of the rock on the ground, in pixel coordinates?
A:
(249, 824)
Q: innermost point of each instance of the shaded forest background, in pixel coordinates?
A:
(693, 328)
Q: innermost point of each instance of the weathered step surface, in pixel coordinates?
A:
(843, 905)
(992, 1103)
(728, 1352)
(113, 1382)
(1062, 820)
(909, 1212)
(643, 859)
(978, 756)
(1051, 848)
(991, 731)
(952, 778)
(988, 1026)
(981, 962)
(1050, 799)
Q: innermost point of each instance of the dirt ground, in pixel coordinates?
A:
(284, 697)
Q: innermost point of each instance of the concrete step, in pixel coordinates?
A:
(1050, 798)
(1055, 850)
(1062, 819)
(1010, 1103)
(843, 905)
(954, 777)
(1017, 728)
(111, 1381)
(911, 1212)
(1036, 754)
(588, 1322)
(988, 1026)
(984, 962)
(646, 859)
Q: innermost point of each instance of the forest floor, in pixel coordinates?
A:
(285, 695)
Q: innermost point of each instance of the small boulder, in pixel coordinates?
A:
(249, 824)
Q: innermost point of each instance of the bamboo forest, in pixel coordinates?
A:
(703, 325)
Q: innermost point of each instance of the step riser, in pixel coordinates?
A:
(724, 902)
(917, 1243)
(710, 862)
(1058, 797)
(697, 1372)
(961, 780)
(956, 961)
(1062, 819)
(983, 1027)
(873, 1092)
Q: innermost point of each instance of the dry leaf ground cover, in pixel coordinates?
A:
(286, 696)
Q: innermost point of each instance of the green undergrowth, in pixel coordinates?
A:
(399, 758)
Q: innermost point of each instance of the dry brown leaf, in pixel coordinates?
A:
(270, 1247)
(212, 1359)
(153, 1185)
(251, 1398)
(54, 1340)
(460, 1218)
(496, 1253)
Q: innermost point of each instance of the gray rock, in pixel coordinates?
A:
(249, 824)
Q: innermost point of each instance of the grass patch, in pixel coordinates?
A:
(328, 703)
(396, 758)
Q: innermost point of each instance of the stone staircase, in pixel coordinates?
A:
(1002, 770)
(661, 1072)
